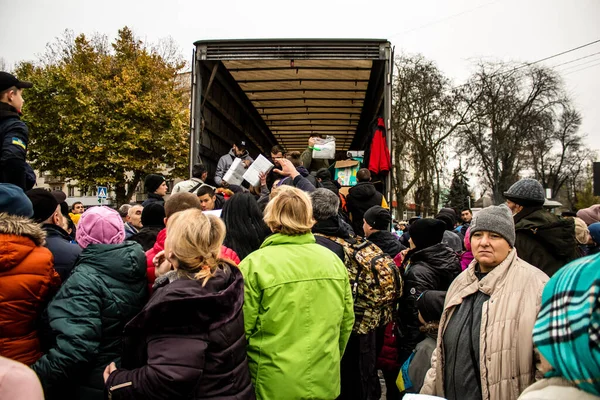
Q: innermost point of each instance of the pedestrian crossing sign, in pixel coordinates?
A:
(102, 192)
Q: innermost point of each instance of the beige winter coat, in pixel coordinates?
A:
(555, 389)
(507, 356)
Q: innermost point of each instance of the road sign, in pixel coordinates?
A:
(102, 192)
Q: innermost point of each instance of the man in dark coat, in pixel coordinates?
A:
(47, 211)
(157, 188)
(358, 373)
(543, 240)
(376, 223)
(428, 265)
(153, 221)
(14, 135)
(362, 197)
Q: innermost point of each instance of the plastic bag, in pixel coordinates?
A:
(324, 148)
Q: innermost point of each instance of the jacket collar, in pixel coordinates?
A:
(7, 111)
(492, 282)
(279, 239)
(55, 230)
(155, 196)
(526, 212)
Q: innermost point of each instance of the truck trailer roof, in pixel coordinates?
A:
(285, 89)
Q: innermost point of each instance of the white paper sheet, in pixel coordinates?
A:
(261, 164)
(213, 212)
(235, 175)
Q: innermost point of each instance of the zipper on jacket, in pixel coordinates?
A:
(119, 386)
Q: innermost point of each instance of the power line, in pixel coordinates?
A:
(571, 67)
(577, 59)
(443, 19)
(556, 55)
(582, 69)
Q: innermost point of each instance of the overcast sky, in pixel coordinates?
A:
(453, 33)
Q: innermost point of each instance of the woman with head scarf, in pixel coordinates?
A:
(567, 334)
(484, 347)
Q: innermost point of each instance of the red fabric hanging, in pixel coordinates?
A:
(380, 159)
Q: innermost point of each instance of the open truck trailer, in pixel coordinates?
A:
(275, 91)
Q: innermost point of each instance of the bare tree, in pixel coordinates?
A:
(508, 104)
(557, 149)
(425, 113)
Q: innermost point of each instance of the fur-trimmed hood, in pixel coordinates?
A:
(21, 226)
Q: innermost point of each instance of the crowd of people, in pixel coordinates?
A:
(291, 290)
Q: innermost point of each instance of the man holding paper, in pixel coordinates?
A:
(310, 163)
(225, 162)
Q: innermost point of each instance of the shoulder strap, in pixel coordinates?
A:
(193, 190)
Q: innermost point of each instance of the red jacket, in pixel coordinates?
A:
(27, 281)
(160, 246)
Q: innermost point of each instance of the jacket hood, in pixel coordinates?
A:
(185, 302)
(332, 227)
(438, 256)
(19, 236)
(21, 226)
(387, 242)
(558, 235)
(243, 156)
(363, 190)
(125, 262)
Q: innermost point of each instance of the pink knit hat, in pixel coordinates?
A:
(590, 214)
(100, 225)
(467, 240)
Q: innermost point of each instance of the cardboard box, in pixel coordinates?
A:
(345, 172)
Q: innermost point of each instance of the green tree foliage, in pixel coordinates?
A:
(107, 114)
(459, 196)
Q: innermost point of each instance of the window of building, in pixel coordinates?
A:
(71, 191)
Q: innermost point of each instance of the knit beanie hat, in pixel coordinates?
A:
(426, 232)
(378, 218)
(44, 204)
(447, 219)
(13, 201)
(590, 215)
(595, 232)
(527, 193)
(582, 234)
(153, 182)
(497, 219)
(431, 304)
(100, 225)
(153, 215)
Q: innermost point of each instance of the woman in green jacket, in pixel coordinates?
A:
(298, 308)
(105, 290)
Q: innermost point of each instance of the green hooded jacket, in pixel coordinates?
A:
(545, 240)
(298, 313)
(106, 289)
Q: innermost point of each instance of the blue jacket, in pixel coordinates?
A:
(65, 253)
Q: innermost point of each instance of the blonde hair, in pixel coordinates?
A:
(195, 240)
(289, 212)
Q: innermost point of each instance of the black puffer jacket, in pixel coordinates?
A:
(360, 198)
(387, 242)
(433, 268)
(545, 240)
(187, 343)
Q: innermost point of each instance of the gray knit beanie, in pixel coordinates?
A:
(497, 219)
(527, 193)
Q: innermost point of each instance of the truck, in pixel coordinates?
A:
(279, 91)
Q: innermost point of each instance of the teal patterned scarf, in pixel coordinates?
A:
(567, 331)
